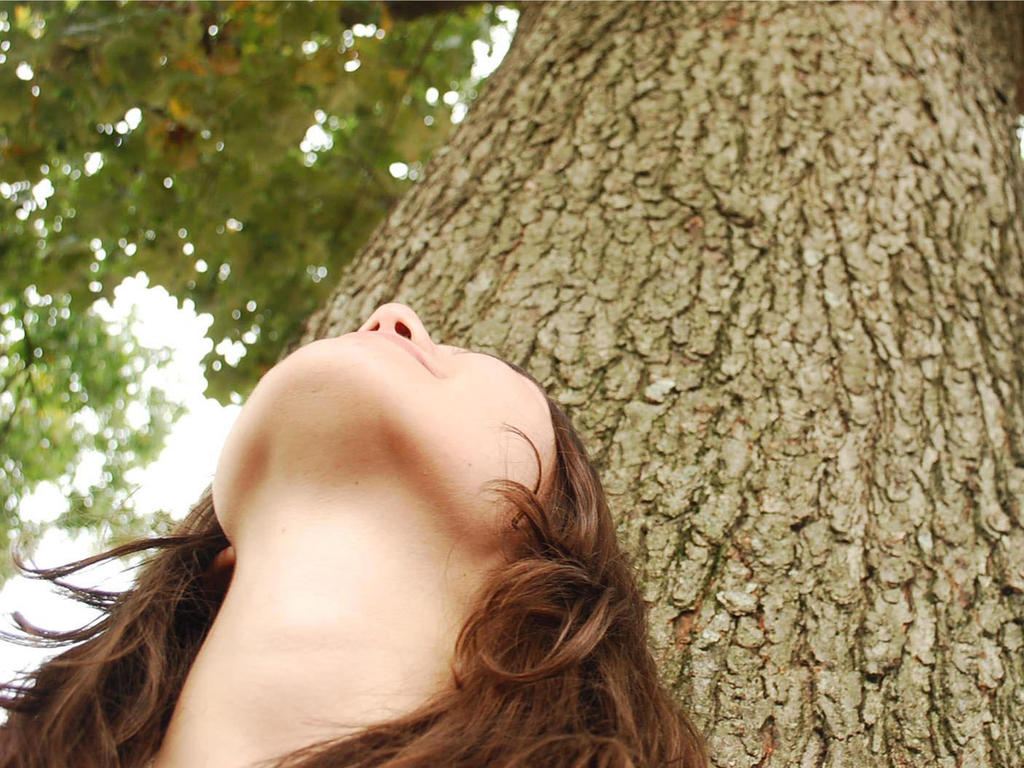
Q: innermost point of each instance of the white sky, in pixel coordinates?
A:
(185, 467)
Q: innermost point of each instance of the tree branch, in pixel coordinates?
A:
(407, 10)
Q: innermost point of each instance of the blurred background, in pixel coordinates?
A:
(180, 184)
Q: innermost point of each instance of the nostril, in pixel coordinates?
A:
(376, 327)
(402, 330)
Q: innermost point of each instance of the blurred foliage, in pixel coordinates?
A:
(238, 153)
(71, 384)
(214, 172)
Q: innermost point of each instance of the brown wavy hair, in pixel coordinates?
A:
(551, 670)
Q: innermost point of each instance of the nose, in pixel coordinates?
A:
(401, 320)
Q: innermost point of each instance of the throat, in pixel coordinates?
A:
(315, 642)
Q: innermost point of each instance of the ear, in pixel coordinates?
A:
(217, 577)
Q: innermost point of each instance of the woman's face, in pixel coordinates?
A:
(387, 409)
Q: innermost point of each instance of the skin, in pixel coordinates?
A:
(352, 491)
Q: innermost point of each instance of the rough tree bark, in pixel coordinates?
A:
(771, 257)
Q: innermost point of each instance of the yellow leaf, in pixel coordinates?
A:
(178, 111)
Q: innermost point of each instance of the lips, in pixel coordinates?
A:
(407, 345)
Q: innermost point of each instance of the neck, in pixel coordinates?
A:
(342, 613)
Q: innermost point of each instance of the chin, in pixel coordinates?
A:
(330, 409)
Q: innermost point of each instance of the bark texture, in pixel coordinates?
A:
(771, 257)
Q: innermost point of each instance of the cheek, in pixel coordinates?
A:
(461, 447)
(477, 440)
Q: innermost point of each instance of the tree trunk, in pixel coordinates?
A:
(771, 258)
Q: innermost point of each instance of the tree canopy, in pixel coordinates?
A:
(237, 153)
